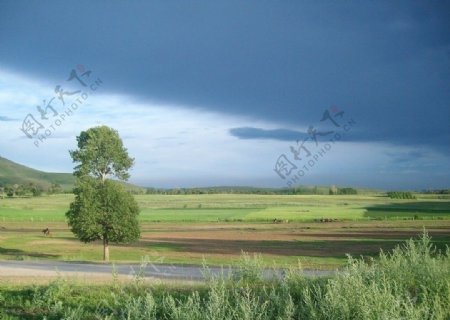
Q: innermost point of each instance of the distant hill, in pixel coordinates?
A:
(12, 173)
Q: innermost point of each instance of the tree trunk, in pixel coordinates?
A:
(105, 249)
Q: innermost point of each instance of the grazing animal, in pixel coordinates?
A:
(279, 221)
(46, 232)
(325, 220)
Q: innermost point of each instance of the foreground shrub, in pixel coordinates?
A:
(411, 282)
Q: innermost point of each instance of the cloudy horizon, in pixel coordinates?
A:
(214, 93)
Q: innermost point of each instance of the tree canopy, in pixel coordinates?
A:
(101, 153)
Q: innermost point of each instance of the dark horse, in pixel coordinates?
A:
(46, 232)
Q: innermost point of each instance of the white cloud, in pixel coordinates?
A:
(170, 143)
(180, 146)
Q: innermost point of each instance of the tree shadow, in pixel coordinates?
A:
(21, 253)
(409, 209)
(318, 248)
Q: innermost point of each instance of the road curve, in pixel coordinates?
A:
(161, 271)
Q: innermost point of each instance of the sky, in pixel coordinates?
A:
(250, 93)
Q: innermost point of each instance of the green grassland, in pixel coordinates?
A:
(236, 207)
(216, 227)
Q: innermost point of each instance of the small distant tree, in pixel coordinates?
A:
(9, 190)
(54, 189)
(333, 190)
(20, 190)
(37, 190)
(347, 191)
(102, 209)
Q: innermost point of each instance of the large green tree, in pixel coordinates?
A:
(102, 209)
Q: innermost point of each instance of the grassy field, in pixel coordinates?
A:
(189, 228)
(232, 207)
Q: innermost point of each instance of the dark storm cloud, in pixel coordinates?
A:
(356, 135)
(386, 64)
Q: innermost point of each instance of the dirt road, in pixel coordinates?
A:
(56, 268)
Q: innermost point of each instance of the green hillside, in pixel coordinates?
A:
(12, 173)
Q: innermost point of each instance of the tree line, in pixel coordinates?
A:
(250, 190)
(437, 191)
(29, 189)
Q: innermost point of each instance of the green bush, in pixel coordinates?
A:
(401, 195)
(249, 268)
(347, 191)
(412, 282)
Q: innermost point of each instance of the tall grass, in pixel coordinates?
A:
(411, 282)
